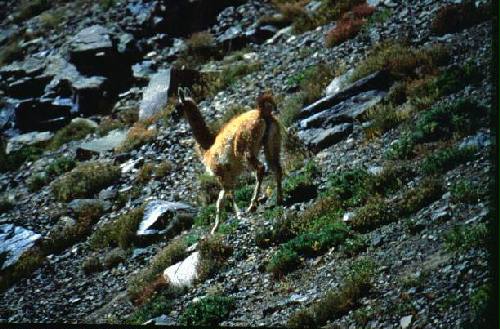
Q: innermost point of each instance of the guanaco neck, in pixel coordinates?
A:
(201, 133)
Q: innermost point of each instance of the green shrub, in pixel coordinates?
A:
(374, 214)
(480, 298)
(30, 8)
(280, 232)
(429, 190)
(402, 149)
(27, 263)
(243, 195)
(290, 108)
(206, 216)
(383, 118)
(158, 305)
(464, 237)
(36, 182)
(60, 166)
(85, 180)
(209, 311)
(91, 265)
(174, 252)
(465, 191)
(213, 255)
(14, 160)
(323, 234)
(114, 257)
(209, 189)
(145, 173)
(353, 246)
(313, 81)
(120, 232)
(73, 131)
(447, 159)
(357, 282)
(349, 186)
(391, 179)
(442, 121)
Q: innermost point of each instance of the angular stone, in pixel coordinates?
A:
(17, 142)
(89, 42)
(161, 85)
(183, 273)
(319, 139)
(14, 241)
(89, 95)
(106, 143)
(338, 84)
(28, 87)
(41, 115)
(165, 218)
(376, 81)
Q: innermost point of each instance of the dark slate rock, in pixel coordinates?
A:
(14, 241)
(27, 68)
(376, 81)
(28, 87)
(41, 115)
(302, 193)
(318, 139)
(345, 111)
(90, 95)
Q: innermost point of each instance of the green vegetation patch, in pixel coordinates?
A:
(465, 191)
(429, 190)
(120, 232)
(14, 160)
(336, 303)
(209, 311)
(74, 131)
(213, 255)
(446, 159)
(174, 252)
(85, 180)
(464, 237)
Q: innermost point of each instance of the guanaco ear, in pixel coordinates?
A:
(180, 94)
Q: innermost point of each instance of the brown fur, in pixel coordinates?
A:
(237, 145)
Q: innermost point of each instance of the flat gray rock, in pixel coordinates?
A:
(14, 241)
(106, 143)
(164, 217)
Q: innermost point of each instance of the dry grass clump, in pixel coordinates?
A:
(401, 61)
(141, 286)
(85, 180)
(349, 25)
(456, 17)
(213, 255)
(73, 131)
(137, 136)
(357, 282)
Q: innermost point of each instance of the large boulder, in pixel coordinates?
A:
(41, 115)
(104, 144)
(183, 273)
(162, 84)
(318, 139)
(376, 81)
(14, 241)
(165, 218)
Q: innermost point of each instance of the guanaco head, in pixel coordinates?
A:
(266, 103)
(185, 101)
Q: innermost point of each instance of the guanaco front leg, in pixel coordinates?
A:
(219, 206)
(259, 175)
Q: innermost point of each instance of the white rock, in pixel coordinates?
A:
(338, 83)
(405, 321)
(184, 272)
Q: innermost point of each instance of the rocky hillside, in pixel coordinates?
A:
(389, 131)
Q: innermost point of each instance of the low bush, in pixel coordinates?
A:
(145, 173)
(349, 25)
(140, 283)
(213, 255)
(465, 191)
(446, 159)
(137, 136)
(374, 214)
(91, 265)
(85, 180)
(158, 305)
(114, 257)
(456, 17)
(464, 237)
(15, 159)
(73, 131)
(120, 232)
(209, 311)
(349, 186)
(357, 282)
(429, 189)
